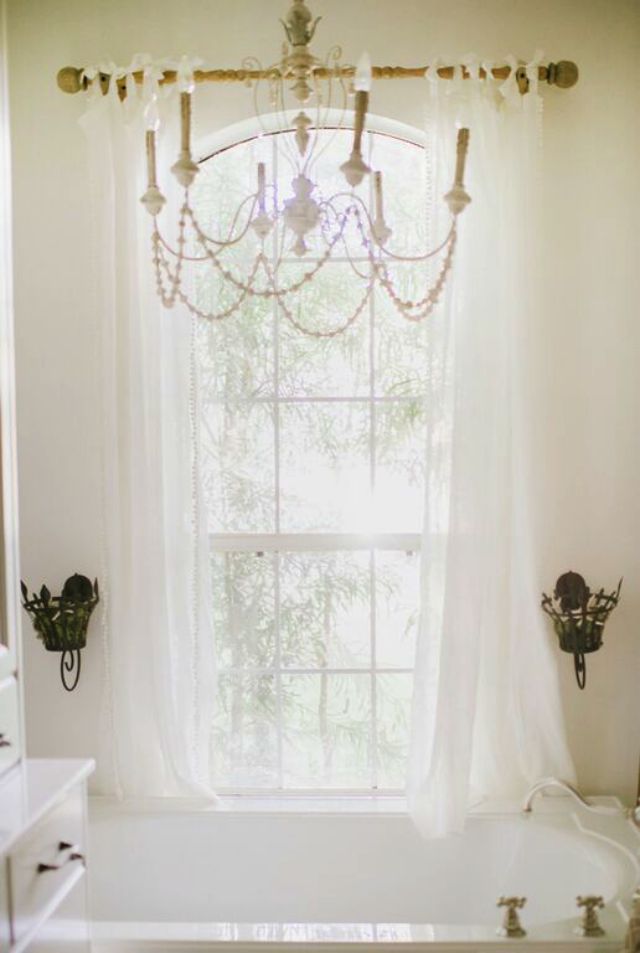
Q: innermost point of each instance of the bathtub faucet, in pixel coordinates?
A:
(570, 789)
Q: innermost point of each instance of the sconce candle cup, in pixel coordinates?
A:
(61, 622)
(579, 617)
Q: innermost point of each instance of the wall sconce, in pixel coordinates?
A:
(579, 617)
(61, 622)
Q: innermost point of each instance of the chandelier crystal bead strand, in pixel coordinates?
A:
(318, 87)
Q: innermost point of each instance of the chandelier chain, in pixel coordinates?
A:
(410, 310)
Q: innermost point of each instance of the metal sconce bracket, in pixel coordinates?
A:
(579, 616)
(61, 622)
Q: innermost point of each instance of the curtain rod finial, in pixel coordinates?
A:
(563, 74)
(69, 79)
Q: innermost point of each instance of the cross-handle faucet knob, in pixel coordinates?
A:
(589, 924)
(511, 925)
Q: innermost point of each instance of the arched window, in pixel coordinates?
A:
(314, 463)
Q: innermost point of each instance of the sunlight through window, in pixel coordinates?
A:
(314, 481)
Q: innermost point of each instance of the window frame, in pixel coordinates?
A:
(278, 543)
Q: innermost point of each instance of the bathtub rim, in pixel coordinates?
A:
(309, 805)
(142, 939)
(616, 831)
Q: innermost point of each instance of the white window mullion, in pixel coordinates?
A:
(304, 399)
(372, 470)
(312, 542)
(276, 440)
(319, 671)
(374, 695)
(278, 672)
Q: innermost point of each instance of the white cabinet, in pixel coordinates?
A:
(67, 929)
(46, 864)
(43, 853)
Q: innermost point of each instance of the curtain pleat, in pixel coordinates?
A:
(157, 632)
(487, 712)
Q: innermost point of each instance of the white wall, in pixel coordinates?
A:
(588, 340)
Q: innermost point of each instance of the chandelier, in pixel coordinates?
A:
(302, 92)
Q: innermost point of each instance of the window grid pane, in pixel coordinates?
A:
(319, 725)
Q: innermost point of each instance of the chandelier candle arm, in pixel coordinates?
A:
(261, 186)
(458, 198)
(262, 224)
(185, 121)
(462, 148)
(362, 105)
(185, 169)
(381, 232)
(153, 199)
(377, 186)
(150, 141)
(355, 168)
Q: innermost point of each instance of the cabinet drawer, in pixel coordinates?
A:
(67, 931)
(44, 865)
(9, 724)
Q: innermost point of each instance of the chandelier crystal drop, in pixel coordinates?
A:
(303, 94)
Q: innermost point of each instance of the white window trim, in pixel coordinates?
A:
(282, 543)
(312, 542)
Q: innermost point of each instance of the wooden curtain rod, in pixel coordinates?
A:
(562, 74)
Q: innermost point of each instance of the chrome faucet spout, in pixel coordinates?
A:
(545, 783)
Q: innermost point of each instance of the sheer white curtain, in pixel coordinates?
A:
(157, 624)
(487, 715)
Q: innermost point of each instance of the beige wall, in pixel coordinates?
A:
(588, 340)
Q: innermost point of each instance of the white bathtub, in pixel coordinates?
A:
(170, 880)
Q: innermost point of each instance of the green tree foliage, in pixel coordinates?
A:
(276, 613)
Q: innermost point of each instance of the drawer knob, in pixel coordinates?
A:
(4, 741)
(74, 854)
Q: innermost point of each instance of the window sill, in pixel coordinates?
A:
(364, 805)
